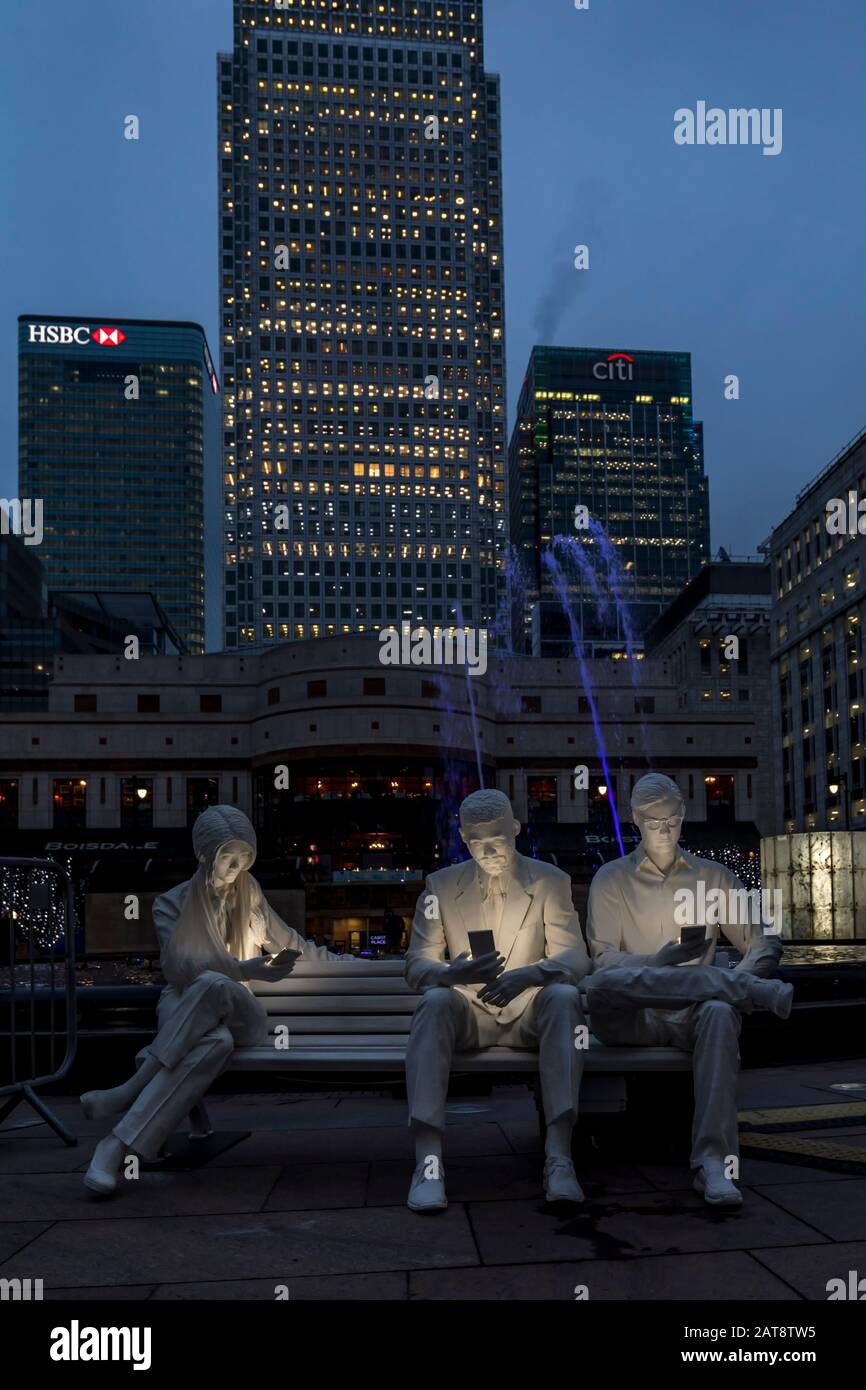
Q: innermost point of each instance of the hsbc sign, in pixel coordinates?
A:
(66, 333)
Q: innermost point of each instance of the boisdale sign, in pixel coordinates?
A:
(81, 334)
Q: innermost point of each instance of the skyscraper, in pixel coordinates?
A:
(612, 432)
(114, 417)
(362, 318)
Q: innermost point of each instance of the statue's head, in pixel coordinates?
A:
(657, 809)
(489, 831)
(225, 841)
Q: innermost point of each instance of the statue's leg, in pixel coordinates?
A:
(173, 1093)
(441, 1025)
(675, 987)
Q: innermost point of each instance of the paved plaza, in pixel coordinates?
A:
(314, 1201)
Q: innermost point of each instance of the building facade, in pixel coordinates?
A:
(353, 771)
(117, 436)
(36, 624)
(363, 340)
(612, 432)
(818, 569)
(714, 640)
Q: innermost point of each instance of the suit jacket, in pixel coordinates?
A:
(539, 927)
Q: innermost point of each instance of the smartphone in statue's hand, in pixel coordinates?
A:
(481, 942)
(689, 935)
(285, 956)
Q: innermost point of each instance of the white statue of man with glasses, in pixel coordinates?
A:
(653, 986)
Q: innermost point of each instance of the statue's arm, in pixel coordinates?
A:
(761, 951)
(425, 959)
(565, 955)
(604, 925)
(277, 936)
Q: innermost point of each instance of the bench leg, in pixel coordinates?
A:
(200, 1126)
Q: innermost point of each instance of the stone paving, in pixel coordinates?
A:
(315, 1200)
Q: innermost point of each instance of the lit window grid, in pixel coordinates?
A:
(244, 521)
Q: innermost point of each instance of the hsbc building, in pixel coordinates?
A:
(119, 435)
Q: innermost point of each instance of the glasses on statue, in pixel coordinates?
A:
(669, 822)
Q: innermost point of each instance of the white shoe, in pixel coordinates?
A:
(560, 1181)
(427, 1194)
(775, 995)
(99, 1105)
(715, 1188)
(98, 1178)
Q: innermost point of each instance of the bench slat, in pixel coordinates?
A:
(368, 1052)
(339, 1023)
(311, 985)
(326, 1004)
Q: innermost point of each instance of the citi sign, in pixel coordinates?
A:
(65, 333)
(618, 367)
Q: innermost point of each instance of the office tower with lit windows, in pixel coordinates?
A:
(118, 432)
(818, 653)
(613, 432)
(362, 304)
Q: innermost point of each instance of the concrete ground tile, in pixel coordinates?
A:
(522, 1135)
(42, 1153)
(63, 1196)
(808, 1269)
(329, 1288)
(692, 1278)
(106, 1293)
(258, 1245)
(754, 1172)
(308, 1186)
(333, 1146)
(837, 1209)
(501, 1177)
(467, 1179)
(17, 1236)
(627, 1227)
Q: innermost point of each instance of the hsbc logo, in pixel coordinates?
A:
(109, 337)
(618, 367)
(65, 333)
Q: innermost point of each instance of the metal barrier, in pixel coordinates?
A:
(36, 912)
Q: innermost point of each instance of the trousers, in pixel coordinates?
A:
(446, 1022)
(198, 1030)
(644, 1005)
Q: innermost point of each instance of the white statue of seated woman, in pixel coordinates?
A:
(211, 932)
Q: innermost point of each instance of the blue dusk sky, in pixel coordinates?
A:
(752, 263)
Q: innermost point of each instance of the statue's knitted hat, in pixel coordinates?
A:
(216, 826)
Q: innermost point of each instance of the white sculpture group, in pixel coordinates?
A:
(644, 985)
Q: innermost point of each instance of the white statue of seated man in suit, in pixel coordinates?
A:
(522, 994)
(211, 932)
(649, 987)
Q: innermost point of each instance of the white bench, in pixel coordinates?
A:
(348, 1019)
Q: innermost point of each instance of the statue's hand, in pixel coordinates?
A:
(675, 953)
(469, 970)
(262, 968)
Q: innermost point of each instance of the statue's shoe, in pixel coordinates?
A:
(775, 995)
(560, 1181)
(99, 1105)
(427, 1194)
(784, 999)
(715, 1188)
(100, 1180)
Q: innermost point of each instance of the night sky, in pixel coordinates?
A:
(754, 264)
